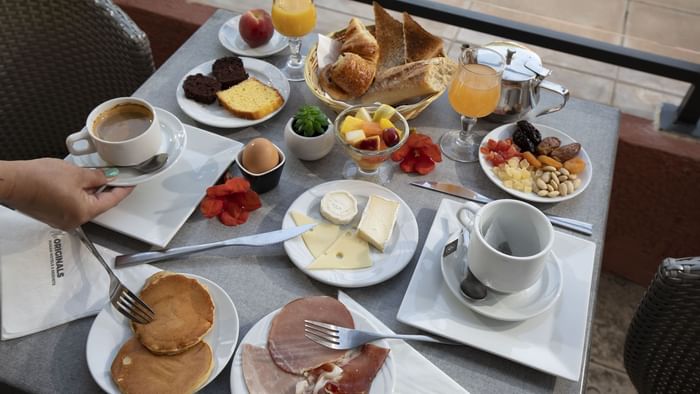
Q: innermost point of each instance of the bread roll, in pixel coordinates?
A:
(353, 72)
(357, 39)
(410, 80)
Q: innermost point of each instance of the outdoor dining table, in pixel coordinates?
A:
(262, 280)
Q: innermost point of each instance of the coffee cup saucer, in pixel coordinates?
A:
(518, 306)
(173, 142)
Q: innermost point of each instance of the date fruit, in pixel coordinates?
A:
(548, 145)
(566, 152)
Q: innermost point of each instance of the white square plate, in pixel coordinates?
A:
(156, 209)
(552, 342)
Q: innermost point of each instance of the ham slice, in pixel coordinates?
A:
(262, 375)
(288, 346)
(358, 372)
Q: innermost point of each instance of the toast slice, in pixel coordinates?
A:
(420, 44)
(411, 80)
(250, 99)
(389, 34)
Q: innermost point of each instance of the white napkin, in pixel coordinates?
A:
(414, 373)
(327, 51)
(47, 277)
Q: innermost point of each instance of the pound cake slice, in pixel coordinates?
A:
(250, 99)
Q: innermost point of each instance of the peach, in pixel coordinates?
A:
(255, 27)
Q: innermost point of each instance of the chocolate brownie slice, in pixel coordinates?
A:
(229, 71)
(201, 88)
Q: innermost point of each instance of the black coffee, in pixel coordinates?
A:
(123, 122)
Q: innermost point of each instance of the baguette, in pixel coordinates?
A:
(410, 80)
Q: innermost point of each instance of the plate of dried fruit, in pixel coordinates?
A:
(548, 168)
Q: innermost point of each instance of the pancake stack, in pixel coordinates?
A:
(168, 354)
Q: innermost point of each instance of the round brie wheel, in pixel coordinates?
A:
(339, 207)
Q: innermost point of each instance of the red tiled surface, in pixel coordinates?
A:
(653, 205)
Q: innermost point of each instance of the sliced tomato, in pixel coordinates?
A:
(491, 144)
(485, 150)
(495, 158)
(424, 164)
(502, 146)
(408, 164)
(511, 152)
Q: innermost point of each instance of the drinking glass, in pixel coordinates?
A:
(294, 19)
(474, 93)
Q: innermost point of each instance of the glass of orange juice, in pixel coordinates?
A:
(294, 19)
(474, 93)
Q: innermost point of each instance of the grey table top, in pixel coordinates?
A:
(262, 280)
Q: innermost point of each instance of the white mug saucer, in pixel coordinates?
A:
(518, 306)
(173, 142)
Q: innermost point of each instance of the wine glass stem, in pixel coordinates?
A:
(295, 48)
(466, 136)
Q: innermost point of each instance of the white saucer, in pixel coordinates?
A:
(383, 383)
(173, 142)
(110, 330)
(396, 256)
(218, 116)
(232, 40)
(518, 306)
(553, 342)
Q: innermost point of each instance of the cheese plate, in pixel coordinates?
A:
(354, 272)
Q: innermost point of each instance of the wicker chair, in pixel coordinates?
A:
(58, 60)
(662, 349)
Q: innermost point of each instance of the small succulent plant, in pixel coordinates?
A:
(310, 121)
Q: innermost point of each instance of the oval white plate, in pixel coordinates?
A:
(506, 131)
(216, 115)
(232, 40)
(257, 336)
(518, 306)
(110, 330)
(396, 256)
(173, 142)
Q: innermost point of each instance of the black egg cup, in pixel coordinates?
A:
(267, 180)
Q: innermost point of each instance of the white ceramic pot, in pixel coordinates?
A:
(309, 148)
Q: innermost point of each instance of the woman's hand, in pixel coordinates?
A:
(56, 192)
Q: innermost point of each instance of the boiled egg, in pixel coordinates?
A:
(259, 155)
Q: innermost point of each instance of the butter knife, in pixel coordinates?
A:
(466, 193)
(263, 239)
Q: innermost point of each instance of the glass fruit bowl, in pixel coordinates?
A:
(365, 132)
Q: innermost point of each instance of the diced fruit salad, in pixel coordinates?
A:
(531, 164)
(374, 133)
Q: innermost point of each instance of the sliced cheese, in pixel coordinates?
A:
(339, 207)
(346, 253)
(378, 221)
(319, 238)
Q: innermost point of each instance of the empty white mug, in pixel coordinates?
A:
(121, 153)
(509, 241)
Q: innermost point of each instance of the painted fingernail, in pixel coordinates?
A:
(110, 172)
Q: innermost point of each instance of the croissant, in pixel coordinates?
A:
(352, 74)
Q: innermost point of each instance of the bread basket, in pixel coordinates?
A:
(409, 111)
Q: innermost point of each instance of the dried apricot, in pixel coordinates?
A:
(575, 165)
(532, 159)
(548, 161)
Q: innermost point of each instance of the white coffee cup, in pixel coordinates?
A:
(126, 152)
(509, 241)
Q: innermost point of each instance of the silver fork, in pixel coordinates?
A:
(123, 300)
(341, 338)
